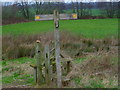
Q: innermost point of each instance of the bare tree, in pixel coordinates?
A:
(77, 9)
(38, 4)
(9, 10)
(81, 9)
(110, 9)
(73, 6)
(25, 8)
(118, 12)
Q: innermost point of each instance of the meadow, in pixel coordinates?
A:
(95, 62)
(92, 28)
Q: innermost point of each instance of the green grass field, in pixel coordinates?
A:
(92, 28)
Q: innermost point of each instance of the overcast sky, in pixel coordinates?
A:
(63, 0)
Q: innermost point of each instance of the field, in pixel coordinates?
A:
(92, 44)
(95, 28)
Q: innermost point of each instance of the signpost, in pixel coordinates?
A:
(38, 68)
(51, 17)
(57, 49)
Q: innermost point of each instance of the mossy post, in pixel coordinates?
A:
(35, 72)
(68, 66)
(35, 75)
(51, 72)
(47, 63)
(39, 63)
(57, 49)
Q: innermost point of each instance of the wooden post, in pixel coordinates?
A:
(68, 66)
(47, 63)
(51, 72)
(35, 75)
(35, 72)
(57, 49)
(39, 63)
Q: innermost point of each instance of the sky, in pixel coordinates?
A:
(62, 0)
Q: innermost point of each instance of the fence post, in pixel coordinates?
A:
(57, 49)
(47, 63)
(39, 63)
(68, 66)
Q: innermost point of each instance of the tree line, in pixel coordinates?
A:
(28, 10)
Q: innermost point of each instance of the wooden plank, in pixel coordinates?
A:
(47, 63)
(52, 50)
(48, 60)
(39, 63)
(51, 72)
(35, 75)
(68, 66)
(45, 57)
(66, 60)
(57, 49)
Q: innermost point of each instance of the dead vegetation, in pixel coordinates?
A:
(99, 69)
(75, 46)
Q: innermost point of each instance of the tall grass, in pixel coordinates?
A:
(75, 46)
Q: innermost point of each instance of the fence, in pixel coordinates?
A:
(55, 64)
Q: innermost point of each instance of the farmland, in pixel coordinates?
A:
(81, 53)
(95, 28)
(91, 43)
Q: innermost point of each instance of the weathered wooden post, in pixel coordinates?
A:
(57, 49)
(47, 63)
(51, 72)
(68, 66)
(35, 72)
(39, 63)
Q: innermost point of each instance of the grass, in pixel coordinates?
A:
(94, 28)
(16, 74)
(102, 80)
(27, 79)
(18, 61)
(97, 28)
(7, 79)
(78, 60)
(6, 69)
(92, 83)
(77, 80)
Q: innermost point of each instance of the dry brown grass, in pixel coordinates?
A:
(24, 46)
(99, 68)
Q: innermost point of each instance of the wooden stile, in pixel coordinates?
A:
(52, 65)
